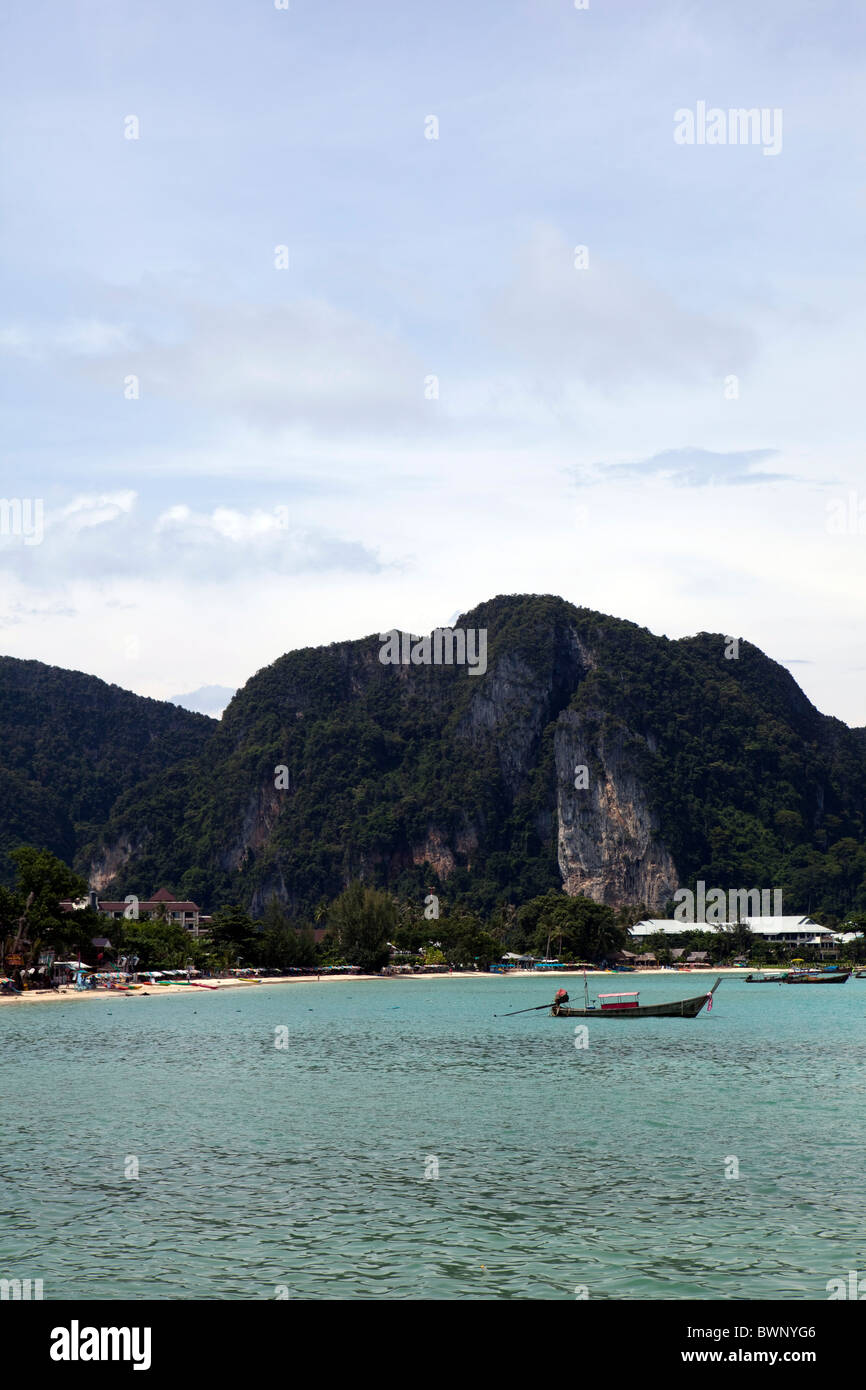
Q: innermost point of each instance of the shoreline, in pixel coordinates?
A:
(69, 993)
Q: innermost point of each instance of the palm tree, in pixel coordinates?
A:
(22, 922)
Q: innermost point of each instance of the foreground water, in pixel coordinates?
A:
(309, 1170)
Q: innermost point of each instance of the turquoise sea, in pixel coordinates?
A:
(302, 1169)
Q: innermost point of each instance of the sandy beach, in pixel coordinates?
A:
(68, 992)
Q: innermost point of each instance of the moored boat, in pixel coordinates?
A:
(626, 1004)
(816, 977)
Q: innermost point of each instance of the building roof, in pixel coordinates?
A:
(150, 902)
(760, 926)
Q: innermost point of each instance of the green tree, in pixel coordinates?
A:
(485, 950)
(30, 912)
(737, 940)
(282, 944)
(158, 944)
(630, 914)
(583, 927)
(277, 948)
(363, 920)
(233, 934)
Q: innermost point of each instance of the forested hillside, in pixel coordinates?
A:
(70, 745)
(420, 777)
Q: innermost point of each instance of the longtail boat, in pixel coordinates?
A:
(860, 974)
(626, 1005)
(817, 977)
(764, 980)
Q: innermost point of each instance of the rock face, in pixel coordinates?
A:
(109, 864)
(420, 778)
(435, 853)
(609, 846)
(608, 843)
(257, 821)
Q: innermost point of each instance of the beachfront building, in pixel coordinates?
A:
(162, 904)
(512, 960)
(779, 931)
(637, 959)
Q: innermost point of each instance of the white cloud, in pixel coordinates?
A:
(411, 258)
(605, 324)
(702, 468)
(87, 511)
(219, 546)
(73, 338)
(225, 523)
(303, 364)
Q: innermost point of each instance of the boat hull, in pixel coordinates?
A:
(681, 1008)
(836, 979)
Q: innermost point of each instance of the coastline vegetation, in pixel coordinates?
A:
(362, 926)
(436, 783)
(748, 782)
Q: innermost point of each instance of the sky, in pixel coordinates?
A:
(321, 321)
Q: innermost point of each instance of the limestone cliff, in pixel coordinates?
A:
(420, 777)
(608, 842)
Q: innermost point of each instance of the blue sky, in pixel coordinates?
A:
(287, 476)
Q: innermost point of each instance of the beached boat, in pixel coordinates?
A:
(627, 1005)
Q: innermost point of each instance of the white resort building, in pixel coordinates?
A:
(783, 931)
